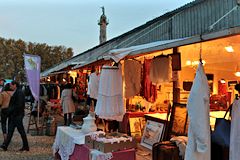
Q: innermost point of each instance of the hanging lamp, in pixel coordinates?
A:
(237, 73)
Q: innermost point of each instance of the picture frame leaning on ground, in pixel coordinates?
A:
(153, 133)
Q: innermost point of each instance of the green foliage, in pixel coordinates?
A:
(12, 62)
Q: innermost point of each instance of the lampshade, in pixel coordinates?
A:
(237, 73)
(229, 49)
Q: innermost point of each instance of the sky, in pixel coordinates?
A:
(73, 23)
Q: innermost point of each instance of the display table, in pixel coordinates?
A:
(69, 144)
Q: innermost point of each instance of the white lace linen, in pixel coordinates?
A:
(235, 131)
(97, 155)
(114, 140)
(110, 94)
(198, 145)
(132, 74)
(66, 138)
(181, 142)
(161, 70)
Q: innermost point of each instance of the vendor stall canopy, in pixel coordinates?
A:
(219, 55)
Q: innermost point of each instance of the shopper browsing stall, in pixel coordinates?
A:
(67, 103)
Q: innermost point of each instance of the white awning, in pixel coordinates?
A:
(58, 68)
(118, 54)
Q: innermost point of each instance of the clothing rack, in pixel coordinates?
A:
(110, 67)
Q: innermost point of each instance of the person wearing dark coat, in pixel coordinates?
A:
(16, 114)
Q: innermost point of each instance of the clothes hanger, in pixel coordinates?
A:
(200, 52)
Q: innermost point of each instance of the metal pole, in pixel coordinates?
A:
(38, 112)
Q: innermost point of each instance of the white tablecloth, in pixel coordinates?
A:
(65, 141)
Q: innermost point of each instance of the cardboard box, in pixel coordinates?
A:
(89, 142)
(116, 146)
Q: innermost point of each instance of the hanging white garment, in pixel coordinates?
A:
(93, 85)
(110, 94)
(198, 146)
(132, 74)
(235, 131)
(161, 70)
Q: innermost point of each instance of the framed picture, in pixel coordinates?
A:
(135, 126)
(152, 133)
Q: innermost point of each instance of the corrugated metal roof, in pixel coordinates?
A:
(188, 15)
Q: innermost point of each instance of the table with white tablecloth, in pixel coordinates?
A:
(69, 144)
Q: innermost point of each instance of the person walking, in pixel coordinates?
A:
(16, 114)
(5, 97)
(67, 103)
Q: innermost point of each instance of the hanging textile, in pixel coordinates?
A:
(161, 70)
(110, 97)
(235, 131)
(149, 90)
(93, 85)
(198, 146)
(132, 74)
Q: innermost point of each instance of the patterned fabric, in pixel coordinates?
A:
(64, 142)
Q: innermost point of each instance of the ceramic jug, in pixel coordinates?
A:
(89, 124)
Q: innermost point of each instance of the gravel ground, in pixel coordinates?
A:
(41, 146)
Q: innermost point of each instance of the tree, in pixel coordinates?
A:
(12, 51)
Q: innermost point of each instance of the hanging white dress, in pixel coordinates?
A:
(198, 146)
(235, 131)
(110, 94)
(93, 85)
